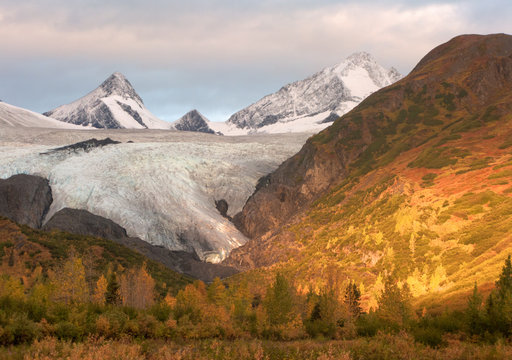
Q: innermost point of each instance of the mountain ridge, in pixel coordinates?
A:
(113, 105)
(414, 182)
(335, 89)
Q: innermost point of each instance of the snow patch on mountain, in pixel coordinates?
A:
(16, 117)
(113, 105)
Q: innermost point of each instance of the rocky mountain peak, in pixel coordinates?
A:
(394, 74)
(336, 89)
(194, 121)
(113, 105)
(361, 57)
(118, 84)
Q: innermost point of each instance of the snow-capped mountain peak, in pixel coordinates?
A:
(307, 103)
(118, 84)
(113, 105)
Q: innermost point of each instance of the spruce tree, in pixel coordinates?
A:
(394, 305)
(113, 294)
(474, 312)
(504, 283)
(279, 301)
(353, 299)
(11, 258)
(499, 303)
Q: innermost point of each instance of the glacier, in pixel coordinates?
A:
(161, 188)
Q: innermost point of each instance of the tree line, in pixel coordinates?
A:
(123, 302)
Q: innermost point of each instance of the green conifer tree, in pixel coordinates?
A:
(11, 258)
(353, 300)
(279, 301)
(474, 316)
(113, 294)
(499, 303)
(394, 305)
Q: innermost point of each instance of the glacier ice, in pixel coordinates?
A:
(161, 188)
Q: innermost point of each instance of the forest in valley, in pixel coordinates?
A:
(123, 314)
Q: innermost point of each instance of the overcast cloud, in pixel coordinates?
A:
(216, 56)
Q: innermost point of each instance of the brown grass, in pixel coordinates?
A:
(383, 346)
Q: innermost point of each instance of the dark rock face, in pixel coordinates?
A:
(268, 120)
(25, 199)
(86, 145)
(331, 118)
(180, 261)
(100, 118)
(295, 184)
(134, 114)
(194, 121)
(83, 222)
(222, 206)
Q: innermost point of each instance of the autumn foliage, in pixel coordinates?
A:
(66, 304)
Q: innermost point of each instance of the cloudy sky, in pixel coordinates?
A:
(214, 55)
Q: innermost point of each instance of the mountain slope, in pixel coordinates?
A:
(414, 182)
(30, 248)
(113, 105)
(305, 104)
(16, 117)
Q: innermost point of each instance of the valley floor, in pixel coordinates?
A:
(383, 346)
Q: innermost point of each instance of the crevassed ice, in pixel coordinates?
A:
(162, 192)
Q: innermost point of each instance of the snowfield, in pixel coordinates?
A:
(13, 116)
(161, 188)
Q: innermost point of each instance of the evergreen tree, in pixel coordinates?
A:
(326, 316)
(113, 294)
(474, 312)
(499, 302)
(504, 283)
(11, 258)
(279, 301)
(353, 300)
(394, 305)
